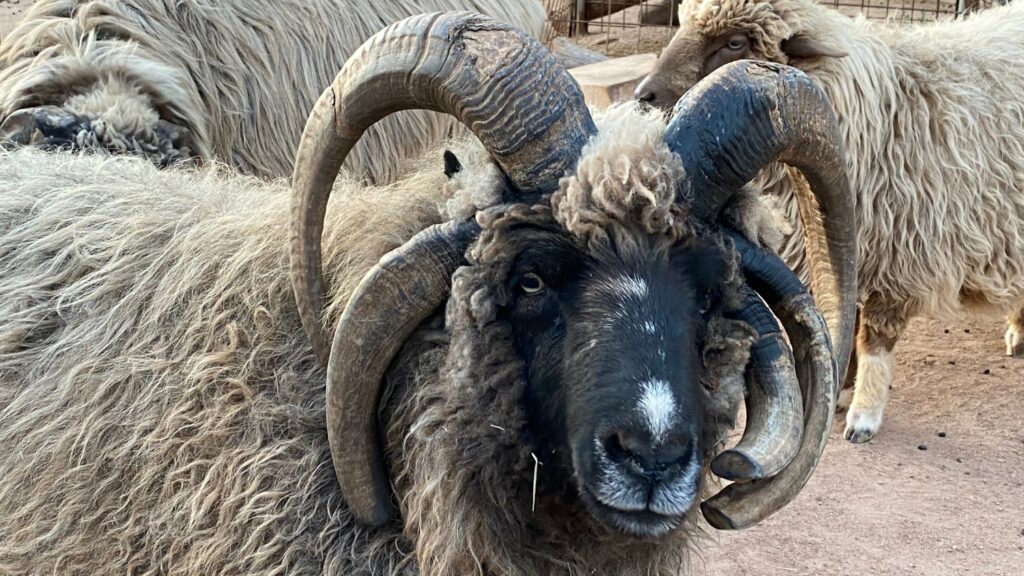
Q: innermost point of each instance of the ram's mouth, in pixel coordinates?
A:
(644, 523)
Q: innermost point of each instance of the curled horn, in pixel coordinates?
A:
(399, 293)
(726, 129)
(743, 504)
(748, 114)
(530, 116)
(504, 86)
(775, 414)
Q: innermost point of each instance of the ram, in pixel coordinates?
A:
(534, 363)
(231, 80)
(931, 122)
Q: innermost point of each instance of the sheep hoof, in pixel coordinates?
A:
(1014, 342)
(862, 424)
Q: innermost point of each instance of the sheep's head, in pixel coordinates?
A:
(602, 265)
(607, 303)
(713, 33)
(612, 344)
(60, 108)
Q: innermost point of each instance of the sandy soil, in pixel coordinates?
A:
(890, 507)
(10, 10)
(940, 491)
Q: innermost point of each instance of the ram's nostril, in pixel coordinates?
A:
(673, 452)
(624, 445)
(614, 447)
(638, 453)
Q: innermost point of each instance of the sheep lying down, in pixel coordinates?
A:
(540, 337)
(230, 81)
(195, 80)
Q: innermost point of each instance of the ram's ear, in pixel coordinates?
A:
(801, 47)
(452, 166)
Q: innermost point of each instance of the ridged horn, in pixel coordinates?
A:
(775, 414)
(747, 114)
(503, 85)
(530, 116)
(400, 292)
(744, 504)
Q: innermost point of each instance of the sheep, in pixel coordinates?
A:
(539, 348)
(933, 124)
(232, 80)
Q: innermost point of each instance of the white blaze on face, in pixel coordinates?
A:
(657, 406)
(629, 286)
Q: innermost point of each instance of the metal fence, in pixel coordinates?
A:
(909, 10)
(622, 27)
(614, 27)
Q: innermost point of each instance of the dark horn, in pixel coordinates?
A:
(530, 116)
(744, 504)
(775, 414)
(742, 117)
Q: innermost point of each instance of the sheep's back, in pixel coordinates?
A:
(160, 409)
(241, 75)
(933, 125)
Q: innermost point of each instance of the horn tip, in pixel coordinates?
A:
(736, 465)
(376, 515)
(717, 518)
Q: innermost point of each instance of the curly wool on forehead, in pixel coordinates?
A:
(625, 181)
(764, 22)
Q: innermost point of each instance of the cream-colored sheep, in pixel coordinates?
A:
(231, 80)
(933, 123)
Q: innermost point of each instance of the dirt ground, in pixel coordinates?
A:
(10, 10)
(911, 502)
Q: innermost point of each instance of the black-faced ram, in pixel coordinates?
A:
(535, 357)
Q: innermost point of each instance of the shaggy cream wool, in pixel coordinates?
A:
(933, 124)
(241, 76)
(158, 395)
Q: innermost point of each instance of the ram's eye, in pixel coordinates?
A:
(737, 43)
(531, 283)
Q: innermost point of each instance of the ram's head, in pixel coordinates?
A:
(605, 293)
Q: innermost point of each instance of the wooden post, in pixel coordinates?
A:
(664, 13)
(613, 80)
(578, 26)
(594, 9)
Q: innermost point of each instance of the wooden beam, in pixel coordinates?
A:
(613, 80)
(594, 9)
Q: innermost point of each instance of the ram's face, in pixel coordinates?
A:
(609, 328)
(710, 35)
(612, 344)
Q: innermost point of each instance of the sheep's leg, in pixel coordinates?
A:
(1015, 332)
(878, 330)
